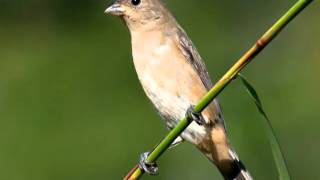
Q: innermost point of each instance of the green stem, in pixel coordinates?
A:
(136, 173)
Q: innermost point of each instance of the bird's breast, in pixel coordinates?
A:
(158, 71)
(168, 80)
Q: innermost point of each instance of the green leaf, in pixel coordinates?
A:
(275, 146)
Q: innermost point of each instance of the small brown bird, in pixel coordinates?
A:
(174, 77)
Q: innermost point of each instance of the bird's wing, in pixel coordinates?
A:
(193, 57)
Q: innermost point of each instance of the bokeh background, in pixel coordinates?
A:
(71, 107)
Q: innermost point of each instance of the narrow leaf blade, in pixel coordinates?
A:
(275, 146)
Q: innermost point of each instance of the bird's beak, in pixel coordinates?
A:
(115, 9)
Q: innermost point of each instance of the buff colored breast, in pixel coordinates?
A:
(168, 80)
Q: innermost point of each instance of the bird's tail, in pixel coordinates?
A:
(218, 151)
(239, 170)
(233, 168)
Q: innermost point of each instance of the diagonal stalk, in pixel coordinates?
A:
(136, 172)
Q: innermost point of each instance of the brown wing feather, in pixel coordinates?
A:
(194, 58)
(192, 55)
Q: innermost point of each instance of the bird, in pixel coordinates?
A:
(174, 77)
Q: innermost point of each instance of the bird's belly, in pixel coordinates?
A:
(169, 104)
(168, 84)
(172, 107)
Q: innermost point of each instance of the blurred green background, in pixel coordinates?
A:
(71, 107)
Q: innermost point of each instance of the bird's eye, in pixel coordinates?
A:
(135, 2)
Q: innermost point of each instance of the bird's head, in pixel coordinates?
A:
(138, 13)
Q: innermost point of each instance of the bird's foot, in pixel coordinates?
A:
(150, 168)
(195, 116)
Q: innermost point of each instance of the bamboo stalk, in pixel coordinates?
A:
(136, 172)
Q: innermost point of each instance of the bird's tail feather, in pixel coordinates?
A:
(218, 151)
(239, 170)
(230, 167)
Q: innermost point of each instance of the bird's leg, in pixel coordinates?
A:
(195, 116)
(150, 168)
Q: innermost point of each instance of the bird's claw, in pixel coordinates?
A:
(150, 168)
(195, 116)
